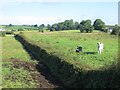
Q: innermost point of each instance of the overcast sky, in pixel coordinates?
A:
(54, 11)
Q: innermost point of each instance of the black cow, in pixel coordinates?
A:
(79, 49)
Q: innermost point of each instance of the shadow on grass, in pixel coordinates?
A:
(43, 69)
(90, 52)
(29, 53)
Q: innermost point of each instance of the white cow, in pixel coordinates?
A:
(100, 47)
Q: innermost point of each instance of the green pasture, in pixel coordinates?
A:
(64, 43)
(16, 27)
(12, 49)
(2, 26)
(15, 77)
(60, 43)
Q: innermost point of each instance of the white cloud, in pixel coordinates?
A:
(30, 20)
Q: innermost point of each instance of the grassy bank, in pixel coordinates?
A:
(87, 69)
(64, 45)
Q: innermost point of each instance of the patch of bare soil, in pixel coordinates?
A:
(39, 73)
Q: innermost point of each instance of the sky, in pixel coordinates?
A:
(49, 12)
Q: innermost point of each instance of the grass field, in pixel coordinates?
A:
(16, 27)
(64, 43)
(11, 49)
(2, 26)
(19, 68)
(13, 75)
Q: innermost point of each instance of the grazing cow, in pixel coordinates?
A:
(79, 49)
(100, 47)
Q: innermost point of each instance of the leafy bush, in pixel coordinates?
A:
(41, 30)
(115, 30)
(2, 34)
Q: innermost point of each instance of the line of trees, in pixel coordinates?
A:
(116, 30)
(83, 26)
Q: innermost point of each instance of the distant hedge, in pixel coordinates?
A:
(4, 33)
(9, 32)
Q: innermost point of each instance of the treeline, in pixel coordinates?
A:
(83, 26)
(116, 30)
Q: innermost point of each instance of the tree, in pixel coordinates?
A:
(82, 27)
(116, 30)
(76, 25)
(48, 26)
(35, 25)
(71, 24)
(68, 25)
(99, 25)
(10, 25)
(41, 28)
(54, 27)
(85, 26)
(61, 26)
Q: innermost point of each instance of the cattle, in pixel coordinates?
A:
(79, 49)
(100, 47)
